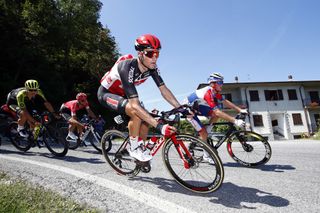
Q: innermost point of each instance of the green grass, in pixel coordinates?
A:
(19, 196)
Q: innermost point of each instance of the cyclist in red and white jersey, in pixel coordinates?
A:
(118, 92)
(70, 112)
(210, 101)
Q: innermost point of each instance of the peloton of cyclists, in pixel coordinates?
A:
(25, 99)
(72, 110)
(118, 92)
(209, 99)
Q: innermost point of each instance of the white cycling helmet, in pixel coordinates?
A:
(214, 77)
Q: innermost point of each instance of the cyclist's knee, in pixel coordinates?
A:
(203, 134)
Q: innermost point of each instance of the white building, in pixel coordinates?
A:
(278, 110)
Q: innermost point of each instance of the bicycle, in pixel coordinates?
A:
(184, 162)
(6, 117)
(248, 148)
(42, 135)
(92, 133)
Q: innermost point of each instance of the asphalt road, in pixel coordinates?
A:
(289, 182)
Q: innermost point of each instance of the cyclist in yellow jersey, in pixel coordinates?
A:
(25, 99)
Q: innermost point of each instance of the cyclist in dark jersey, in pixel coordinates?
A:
(25, 99)
(118, 92)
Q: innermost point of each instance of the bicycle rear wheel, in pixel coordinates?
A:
(201, 176)
(113, 144)
(22, 144)
(249, 148)
(54, 142)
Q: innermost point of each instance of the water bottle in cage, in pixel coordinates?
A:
(36, 132)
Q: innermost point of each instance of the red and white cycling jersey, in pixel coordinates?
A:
(125, 75)
(74, 106)
(206, 96)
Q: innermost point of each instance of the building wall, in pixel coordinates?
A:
(280, 110)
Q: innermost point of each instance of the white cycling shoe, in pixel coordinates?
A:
(139, 154)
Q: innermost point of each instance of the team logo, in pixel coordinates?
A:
(130, 76)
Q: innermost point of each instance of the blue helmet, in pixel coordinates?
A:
(214, 77)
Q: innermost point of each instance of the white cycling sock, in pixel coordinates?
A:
(134, 142)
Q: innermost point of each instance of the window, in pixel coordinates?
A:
(254, 95)
(297, 119)
(317, 119)
(257, 120)
(274, 122)
(292, 93)
(314, 96)
(228, 96)
(273, 95)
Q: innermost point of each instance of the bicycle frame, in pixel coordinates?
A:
(231, 129)
(160, 142)
(178, 145)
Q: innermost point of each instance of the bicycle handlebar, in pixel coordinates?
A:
(242, 116)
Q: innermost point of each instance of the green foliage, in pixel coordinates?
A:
(186, 127)
(60, 43)
(18, 196)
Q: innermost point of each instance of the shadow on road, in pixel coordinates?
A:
(228, 195)
(49, 155)
(267, 167)
(74, 159)
(233, 196)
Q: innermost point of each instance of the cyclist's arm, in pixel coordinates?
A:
(142, 113)
(217, 112)
(49, 107)
(168, 96)
(91, 113)
(231, 105)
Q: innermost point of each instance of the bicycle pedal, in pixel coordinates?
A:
(143, 164)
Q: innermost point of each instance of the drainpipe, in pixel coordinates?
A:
(305, 111)
(247, 103)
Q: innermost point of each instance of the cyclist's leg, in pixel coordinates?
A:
(121, 105)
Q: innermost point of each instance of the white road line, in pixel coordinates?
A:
(134, 194)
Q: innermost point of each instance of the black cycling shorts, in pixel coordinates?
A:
(111, 101)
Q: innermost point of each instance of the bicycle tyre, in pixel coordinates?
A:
(22, 144)
(119, 160)
(211, 175)
(95, 140)
(54, 142)
(256, 152)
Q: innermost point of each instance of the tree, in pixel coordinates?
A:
(61, 43)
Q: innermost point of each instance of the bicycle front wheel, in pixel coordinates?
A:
(54, 142)
(249, 148)
(193, 172)
(113, 144)
(95, 140)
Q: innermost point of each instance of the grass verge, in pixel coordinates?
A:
(19, 196)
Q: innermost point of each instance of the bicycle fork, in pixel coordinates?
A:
(184, 154)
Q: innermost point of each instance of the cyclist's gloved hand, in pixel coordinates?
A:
(166, 130)
(244, 111)
(239, 123)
